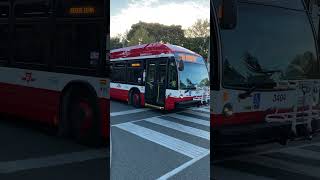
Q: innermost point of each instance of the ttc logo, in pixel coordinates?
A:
(256, 101)
(28, 77)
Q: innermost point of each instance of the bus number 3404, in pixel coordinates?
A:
(279, 98)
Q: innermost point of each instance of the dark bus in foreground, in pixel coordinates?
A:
(264, 71)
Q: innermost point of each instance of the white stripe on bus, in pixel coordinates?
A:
(190, 119)
(179, 127)
(169, 142)
(51, 80)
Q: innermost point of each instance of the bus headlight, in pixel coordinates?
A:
(227, 110)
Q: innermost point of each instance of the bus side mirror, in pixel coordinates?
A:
(228, 12)
(181, 65)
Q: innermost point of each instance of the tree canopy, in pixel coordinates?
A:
(196, 38)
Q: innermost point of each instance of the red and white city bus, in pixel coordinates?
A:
(52, 69)
(159, 75)
(264, 72)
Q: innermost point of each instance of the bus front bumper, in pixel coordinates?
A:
(190, 103)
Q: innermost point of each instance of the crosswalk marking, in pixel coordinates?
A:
(203, 109)
(169, 142)
(120, 113)
(180, 127)
(207, 115)
(190, 119)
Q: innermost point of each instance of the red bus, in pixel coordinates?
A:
(265, 73)
(52, 69)
(159, 75)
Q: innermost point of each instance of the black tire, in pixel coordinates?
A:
(135, 99)
(81, 118)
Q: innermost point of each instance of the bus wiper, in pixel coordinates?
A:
(190, 88)
(247, 93)
(254, 87)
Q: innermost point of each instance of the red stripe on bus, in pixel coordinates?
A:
(237, 118)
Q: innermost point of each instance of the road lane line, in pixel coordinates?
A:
(183, 166)
(190, 119)
(179, 127)
(169, 142)
(207, 115)
(120, 113)
(61, 159)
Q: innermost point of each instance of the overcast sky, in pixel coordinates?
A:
(124, 13)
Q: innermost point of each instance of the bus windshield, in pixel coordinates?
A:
(271, 45)
(194, 75)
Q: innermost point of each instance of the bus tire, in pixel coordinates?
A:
(80, 118)
(135, 98)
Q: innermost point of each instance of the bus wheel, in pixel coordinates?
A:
(81, 114)
(135, 99)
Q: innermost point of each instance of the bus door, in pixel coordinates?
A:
(155, 90)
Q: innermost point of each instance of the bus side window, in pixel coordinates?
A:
(172, 75)
(31, 42)
(135, 72)
(4, 42)
(119, 72)
(78, 45)
(35, 8)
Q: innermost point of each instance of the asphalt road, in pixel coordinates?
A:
(150, 144)
(297, 161)
(29, 151)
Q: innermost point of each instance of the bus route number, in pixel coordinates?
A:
(279, 98)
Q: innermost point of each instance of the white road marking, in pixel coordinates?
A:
(61, 159)
(169, 142)
(179, 127)
(207, 115)
(120, 113)
(190, 119)
(183, 166)
(203, 109)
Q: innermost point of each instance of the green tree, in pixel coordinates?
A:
(140, 36)
(201, 28)
(197, 37)
(160, 33)
(115, 42)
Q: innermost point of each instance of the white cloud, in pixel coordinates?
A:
(152, 11)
